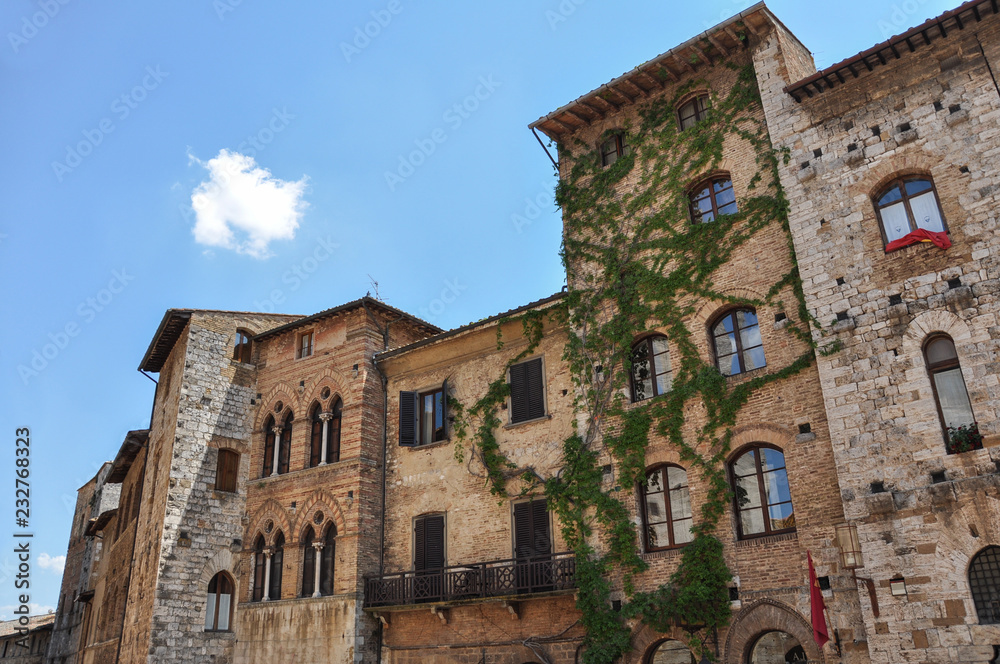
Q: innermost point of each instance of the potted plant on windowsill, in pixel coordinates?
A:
(964, 438)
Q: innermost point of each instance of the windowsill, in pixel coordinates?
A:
(292, 473)
(437, 443)
(663, 553)
(223, 633)
(220, 494)
(304, 357)
(740, 377)
(245, 365)
(761, 540)
(537, 419)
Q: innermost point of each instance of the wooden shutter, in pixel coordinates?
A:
(428, 542)
(444, 410)
(409, 419)
(527, 395)
(532, 536)
(227, 470)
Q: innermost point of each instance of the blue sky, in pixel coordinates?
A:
(284, 119)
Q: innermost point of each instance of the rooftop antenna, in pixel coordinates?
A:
(375, 287)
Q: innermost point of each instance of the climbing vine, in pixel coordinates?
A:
(635, 263)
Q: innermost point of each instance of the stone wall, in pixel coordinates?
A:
(922, 513)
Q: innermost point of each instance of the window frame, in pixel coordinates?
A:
(300, 349)
(529, 504)
(651, 358)
(222, 576)
(662, 468)
(995, 554)
(709, 183)
(270, 440)
(900, 183)
(414, 543)
(699, 114)
(243, 347)
(277, 566)
(764, 505)
(739, 340)
(544, 397)
(444, 416)
(233, 470)
(620, 148)
(259, 570)
(941, 367)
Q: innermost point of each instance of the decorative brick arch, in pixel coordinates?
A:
(772, 434)
(321, 501)
(646, 639)
(760, 617)
(724, 167)
(277, 393)
(708, 309)
(271, 509)
(331, 378)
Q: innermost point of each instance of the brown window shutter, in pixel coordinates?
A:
(536, 389)
(419, 539)
(444, 409)
(435, 542)
(531, 529)
(409, 422)
(527, 399)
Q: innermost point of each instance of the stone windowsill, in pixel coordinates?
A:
(513, 425)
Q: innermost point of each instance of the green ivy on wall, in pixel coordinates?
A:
(636, 263)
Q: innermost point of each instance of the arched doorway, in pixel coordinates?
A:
(777, 648)
(671, 652)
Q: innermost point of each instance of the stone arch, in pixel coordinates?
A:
(760, 617)
(886, 170)
(273, 510)
(325, 502)
(939, 321)
(223, 561)
(645, 639)
(277, 393)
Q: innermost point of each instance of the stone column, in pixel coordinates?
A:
(318, 546)
(326, 417)
(267, 575)
(277, 450)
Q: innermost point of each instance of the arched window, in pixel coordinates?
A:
(308, 564)
(219, 605)
(671, 652)
(316, 436)
(242, 347)
(613, 148)
(651, 374)
(950, 395)
(285, 447)
(259, 563)
(693, 111)
(227, 470)
(760, 488)
(666, 508)
(328, 561)
(713, 198)
(737, 342)
(984, 582)
(268, 447)
(906, 204)
(317, 457)
(777, 648)
(333, 435)
(277, 564)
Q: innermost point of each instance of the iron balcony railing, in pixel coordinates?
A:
(519, 576)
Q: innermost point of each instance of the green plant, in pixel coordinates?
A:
(964, 438)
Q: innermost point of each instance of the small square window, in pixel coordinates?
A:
(305, 345)
(612, 149)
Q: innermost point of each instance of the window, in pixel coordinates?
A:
(305, 346)
(259, 571)
(309, 564)
(277, 564)
(219, 605)
(269, 436)
(324, 445)
(532, 535)
(241, 351)
(423, 417)
(693, 112)
(285, 444)
(907, 204)
(651, 374)
(950, 395)
(325, 550)
(671, 652)
(737, 342)
(760, 487)
(613, 148)
(527, 391)
(712, 199)
(227, 470)
(666, 508)
(984, 582)
(428, 542)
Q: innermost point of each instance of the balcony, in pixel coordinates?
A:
(477, 581)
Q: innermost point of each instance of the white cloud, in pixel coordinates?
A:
(242, 207)
(7, 611)
(54, 563)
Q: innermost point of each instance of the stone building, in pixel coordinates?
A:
(26, 644)
(736, 359)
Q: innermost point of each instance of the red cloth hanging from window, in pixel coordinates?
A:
(818, 606)
(919, 235)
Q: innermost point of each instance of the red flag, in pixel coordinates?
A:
(919, 235)
(818, 606)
